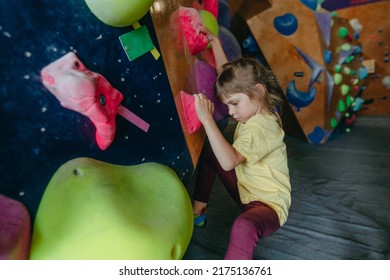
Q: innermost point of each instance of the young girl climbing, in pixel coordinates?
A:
(254, 168)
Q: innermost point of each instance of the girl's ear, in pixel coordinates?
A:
(261, 89)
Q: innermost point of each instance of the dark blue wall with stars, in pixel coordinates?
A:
(38, 135)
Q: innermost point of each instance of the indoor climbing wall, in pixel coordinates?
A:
(97, 121)
(318, 59)
(40, 132)
(189, 63)
(375, 40)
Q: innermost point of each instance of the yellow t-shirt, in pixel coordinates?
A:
(264, 175)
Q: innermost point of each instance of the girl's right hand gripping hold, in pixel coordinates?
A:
(204, 108)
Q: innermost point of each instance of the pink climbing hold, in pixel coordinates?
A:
(211, 6)
(90, 94)
(191, 118)
(192, 25)
(15, 232)
(86, 92)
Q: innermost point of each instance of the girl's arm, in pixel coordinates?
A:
(219, 54)
(226, 155)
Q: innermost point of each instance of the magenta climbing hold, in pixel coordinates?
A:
(88, 93)
(211, 6)
(15, 230)
(192, 25)
(193, 124)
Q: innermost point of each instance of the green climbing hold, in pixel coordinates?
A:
(333, 123)
(341, 106)
(337, 68)
(343, 32)
(337, 78)
(346, 47)
(349, 100)
(347, 70)
(345, 89)
(349, 58)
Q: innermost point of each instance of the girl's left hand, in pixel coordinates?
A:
(204, 108)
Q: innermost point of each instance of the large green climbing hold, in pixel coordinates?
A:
(97, 210)
(119, 13)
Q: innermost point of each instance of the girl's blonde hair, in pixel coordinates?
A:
(242, 76)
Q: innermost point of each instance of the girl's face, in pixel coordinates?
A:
(241, 107)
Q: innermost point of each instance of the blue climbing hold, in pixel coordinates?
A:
(286, 24)
(328, 56)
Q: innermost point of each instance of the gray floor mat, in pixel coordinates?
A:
(340, 201)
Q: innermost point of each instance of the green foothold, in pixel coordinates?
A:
(349, 59)
(337, 78)
(94, 210)
(352, 72)
(345, 89)
(355, 82)
(346, 47)
(343, 32)
(347, 70)
(337, 68)
(347, 115)
(348, 130)
(334, 14)
(136, 43)
(333, 122)
(349, 101)
(341, 106)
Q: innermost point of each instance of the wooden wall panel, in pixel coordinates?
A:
(375, 40)
(283, 58)
(281, 53)
(178, 61)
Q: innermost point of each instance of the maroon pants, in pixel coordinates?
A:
(256, 220)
